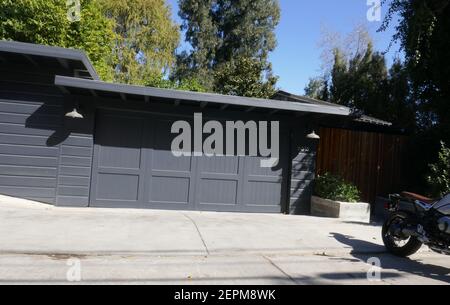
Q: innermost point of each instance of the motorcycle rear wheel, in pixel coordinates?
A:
(411, 245)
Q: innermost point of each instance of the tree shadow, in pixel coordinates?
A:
(390, 262)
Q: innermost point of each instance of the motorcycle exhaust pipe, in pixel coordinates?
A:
(412, 232)
(440, 250)
(408, 232)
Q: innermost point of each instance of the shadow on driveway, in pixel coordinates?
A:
(390, 262)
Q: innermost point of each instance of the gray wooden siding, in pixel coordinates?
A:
(47, 158)
(42, 157)
(303, 154)
(30, 112)
(74, 177)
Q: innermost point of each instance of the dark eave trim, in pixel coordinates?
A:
(303, 99)
(202, 98)
(60, 54)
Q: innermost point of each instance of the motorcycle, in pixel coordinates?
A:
(414, 221)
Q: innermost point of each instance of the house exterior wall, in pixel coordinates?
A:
(43, 156)
(48, 158)
(303, 162)
(246, 182)
(75, 157)
(30, 113)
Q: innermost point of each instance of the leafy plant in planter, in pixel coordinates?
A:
(335, 188)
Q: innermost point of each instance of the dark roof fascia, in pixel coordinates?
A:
(90, 85)
(362, 126)
(305, 99)
(49, 51)
(364, 119)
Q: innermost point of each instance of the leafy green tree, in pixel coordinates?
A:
(358, 78)
(439, 178)
(423, 31)
(424, 34)
(401, 107)
(146, 38)
(185, 84)
(222, 32)
(243, 77)
(361, 82)
(45, 22)
(317, 88)
(201, 27)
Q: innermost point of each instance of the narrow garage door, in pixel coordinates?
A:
(134, 167)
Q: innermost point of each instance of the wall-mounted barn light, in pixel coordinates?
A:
(313, 135)
(74, 114)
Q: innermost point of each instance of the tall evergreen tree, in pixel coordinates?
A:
(221, 31)
(361, 80)
(317, 88)
(424, 34)
(243, 77)
(423, 30)
(401, 109)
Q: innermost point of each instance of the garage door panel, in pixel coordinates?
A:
(264, 179)
(162, 137)
(253, 165)
(118, 160)
(120, 157)
(259, 193)
(139, 170)
(120, 142)
(162, 156)
(115, 187)
(219, 177)
(166, 161)
(169, 190)
(166, 173)
(219, 164)
(218, 192)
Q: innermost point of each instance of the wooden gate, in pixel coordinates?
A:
(374, 162)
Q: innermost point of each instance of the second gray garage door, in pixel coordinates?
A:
(134, 167)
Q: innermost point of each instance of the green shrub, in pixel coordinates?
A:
(439, 178)
(335, 188)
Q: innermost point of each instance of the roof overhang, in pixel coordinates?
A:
(97, 88)
(365, 119)
(69, 59)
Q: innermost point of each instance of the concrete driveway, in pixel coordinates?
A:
(37, 228)
(39, 244)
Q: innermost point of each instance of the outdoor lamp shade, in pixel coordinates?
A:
(74, 114)
(313, 136)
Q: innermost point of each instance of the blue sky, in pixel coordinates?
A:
(297, 56)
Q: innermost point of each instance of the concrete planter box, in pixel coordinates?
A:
(357, 212)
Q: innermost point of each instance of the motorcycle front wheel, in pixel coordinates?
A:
(398, 245)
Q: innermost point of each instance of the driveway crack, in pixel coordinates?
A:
(198, 231)
(279, 269)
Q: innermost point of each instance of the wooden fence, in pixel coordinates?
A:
(374, 162)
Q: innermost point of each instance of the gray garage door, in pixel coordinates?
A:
(134, 167)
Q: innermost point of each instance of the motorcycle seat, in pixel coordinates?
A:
(413, 196)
